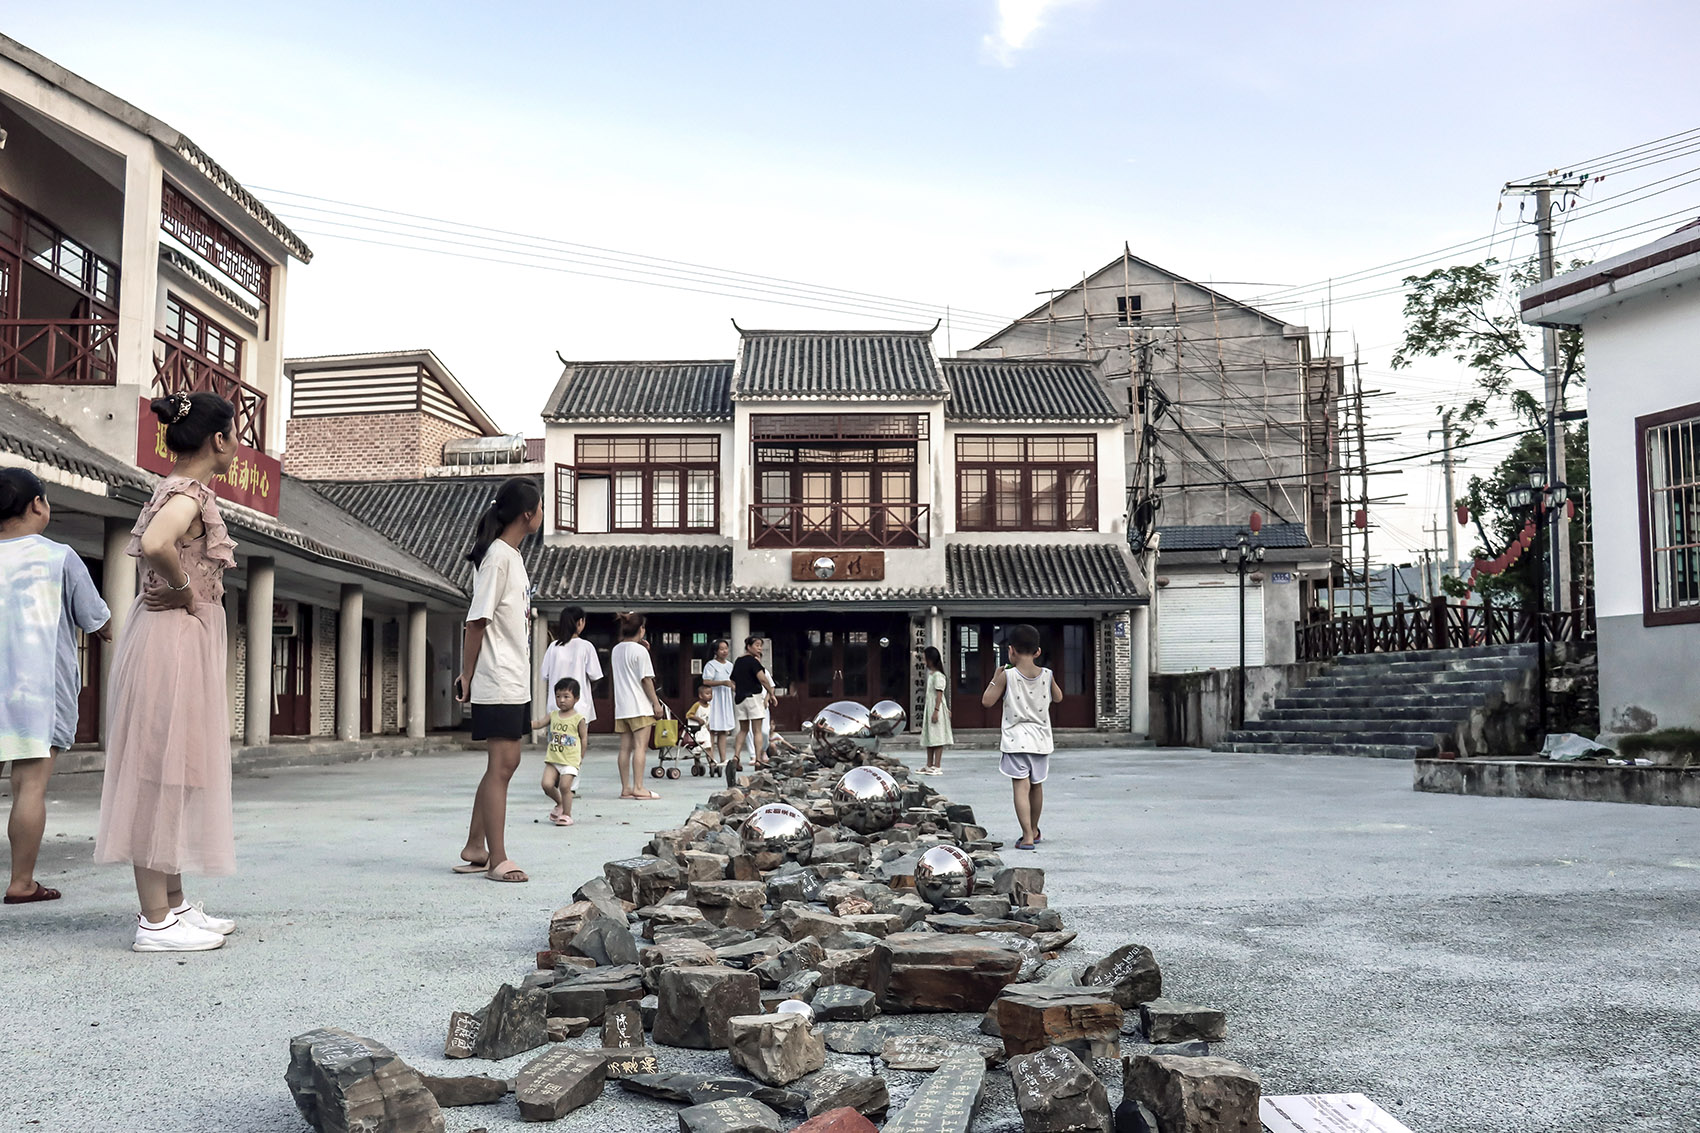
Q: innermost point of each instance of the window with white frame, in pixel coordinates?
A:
(1670, 486)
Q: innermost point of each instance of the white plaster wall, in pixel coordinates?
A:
(1641, 360)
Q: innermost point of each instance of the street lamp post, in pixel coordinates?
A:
(1246, 556)
(1541, 498)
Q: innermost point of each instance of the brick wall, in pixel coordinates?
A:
(239, 646)
(1115, 671)
(324, 671)
(370, 446)
(389, 657)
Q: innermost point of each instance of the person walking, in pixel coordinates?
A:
(495, 675)
(752, 689)
(570, 655)
(1027, 691)
(636, 705)
(935, 713)
(165, 795)
(717, 678)
(46, 596)
(568, 736)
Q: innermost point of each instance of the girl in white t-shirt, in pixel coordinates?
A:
(495, 675)
(570, 655)
(636, 705)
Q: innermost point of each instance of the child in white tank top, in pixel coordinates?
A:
(1027, 691)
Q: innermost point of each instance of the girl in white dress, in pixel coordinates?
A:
(717, 675)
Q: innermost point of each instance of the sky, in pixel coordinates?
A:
(960, 153)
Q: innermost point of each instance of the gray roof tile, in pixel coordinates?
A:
(633, 574)
(1211, 536)
(432, 519)
(642, 391)
(1066, 571)
(995, 389)
(837, 365)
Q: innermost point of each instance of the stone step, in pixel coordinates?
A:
(1424, 713)
(1328, 694)
(1353, 724)
(1362, 751)
(1524, 649)
(1379, 737)
(1369, 704)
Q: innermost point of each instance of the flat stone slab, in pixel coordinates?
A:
(854, 1038)
(342, 1082)
(936, 971)
(468, 1089)
(554, 1084)
(842, 1003)
(945, 1102)
(628, 1061)
(1171, 1021)
(733, 1115)
(833, 1089)
(930, 1052)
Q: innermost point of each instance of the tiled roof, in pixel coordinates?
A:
(635, 574)
(1067, 571)
(433, 519)
(306, 522)
(642, 391)
(837, 366)
(995, 389)
(1211, 536)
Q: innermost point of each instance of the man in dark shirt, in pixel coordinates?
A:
(752, 690)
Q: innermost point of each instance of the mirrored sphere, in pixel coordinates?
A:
(778, 829)
(944, 873)
(796, 1007)
(867, 800)
(843, 719)
(887, 718)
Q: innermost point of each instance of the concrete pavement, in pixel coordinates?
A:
(1472, 964)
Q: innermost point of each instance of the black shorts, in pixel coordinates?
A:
(501, 721)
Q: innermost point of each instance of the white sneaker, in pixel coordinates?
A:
(175, 935)
(196, 915)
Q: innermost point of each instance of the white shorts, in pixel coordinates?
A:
(1025, 765)
(752, 707)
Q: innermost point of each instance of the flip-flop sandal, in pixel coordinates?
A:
(647, 796)
(42, 893)
(471, 867)
(503, 871)
(563, 820)
(1025, 846)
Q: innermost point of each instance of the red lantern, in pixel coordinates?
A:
(1463, 514)
(1256, 522)
(1569, 509)
(1360, 519)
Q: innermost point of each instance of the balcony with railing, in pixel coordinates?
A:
(179, 369)
(59, 352)
(838, 525)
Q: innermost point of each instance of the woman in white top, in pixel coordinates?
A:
(495, 675)
(636, 705)
(570, 655)
(717, 675)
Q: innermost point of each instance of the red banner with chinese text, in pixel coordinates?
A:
(255, 480)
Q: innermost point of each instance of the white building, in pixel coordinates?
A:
(1640, 315)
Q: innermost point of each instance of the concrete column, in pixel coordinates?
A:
(740, 630)
(138, 281)
(350, 616)
(118, 588)
(257, 711)
(542, 699)
(1139, 679)
(416, 699)
(935, 630)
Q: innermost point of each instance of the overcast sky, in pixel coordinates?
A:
(960, 152)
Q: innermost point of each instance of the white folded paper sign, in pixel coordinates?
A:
(1327, 1113)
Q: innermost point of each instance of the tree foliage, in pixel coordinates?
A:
(1469, 312)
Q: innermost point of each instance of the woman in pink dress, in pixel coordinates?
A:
(165, 803)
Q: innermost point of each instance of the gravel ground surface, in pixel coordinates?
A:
(1474, 965)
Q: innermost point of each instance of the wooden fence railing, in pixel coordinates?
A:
(1442, 624)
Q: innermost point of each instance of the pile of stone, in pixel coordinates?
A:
(794, 919)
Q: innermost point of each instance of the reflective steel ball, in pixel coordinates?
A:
(796, 1007)
(944, 873)
(867, 800)
(778, 829)
(824, 567)
(887, 718)
(843, 719)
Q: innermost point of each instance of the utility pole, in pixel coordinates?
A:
(1363, 468)
(1558, 558)
(1447, 466)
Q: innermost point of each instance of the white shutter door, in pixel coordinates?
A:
(1198, 627)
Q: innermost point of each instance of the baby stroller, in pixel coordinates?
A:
(691, 742)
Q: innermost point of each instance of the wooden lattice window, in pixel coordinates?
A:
(1669, 459)
(656, 484)
(201, 233)
(838, 426)
(566, 505)
(1031, 483)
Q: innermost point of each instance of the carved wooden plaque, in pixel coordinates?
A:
(837, 566)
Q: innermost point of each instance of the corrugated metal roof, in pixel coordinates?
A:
(1067, 571)
(1212, 536)
(837, 366)
(995, 389)
(642, 391)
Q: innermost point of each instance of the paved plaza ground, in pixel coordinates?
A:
(1474, 965)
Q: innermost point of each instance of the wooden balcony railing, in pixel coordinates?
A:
(59, 352)
(838, 525)
(178, 369)
(1441, 625)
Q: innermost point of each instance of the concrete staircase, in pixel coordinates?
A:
(1402, 705)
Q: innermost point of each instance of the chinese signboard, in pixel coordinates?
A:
(837, 566)
(255, 480)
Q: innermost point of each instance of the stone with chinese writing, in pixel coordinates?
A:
(1171, 1021)
(343, 1083)
(854, 1038)
(946, 1102)
(936, 971)
(554, 1084)
(1132, 974)
(623, 1025)
(513, 1023)
(1032, 1017)
(929, 1052)
(696, 1003)
(467, 1089)
(462, 1041)
(1194, 1095)
(842, 1003)
(776, 1049)
(834, 1089)
(1058, 1093)
(629, 1061)
(732, 1115)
